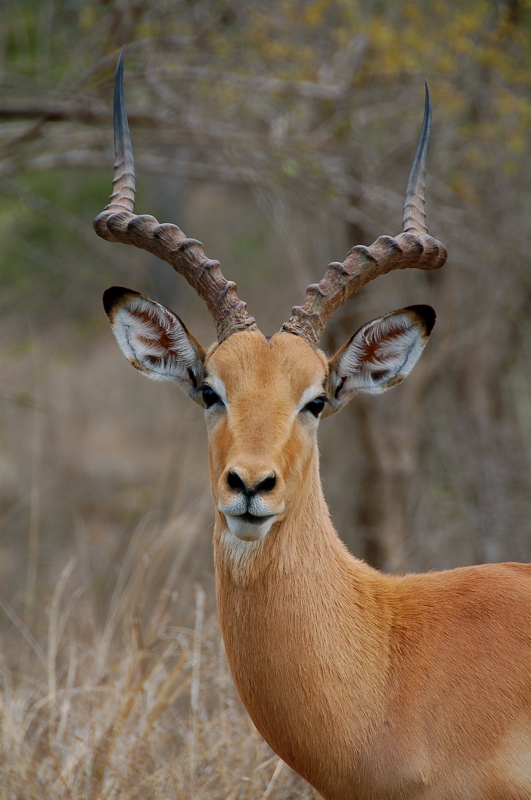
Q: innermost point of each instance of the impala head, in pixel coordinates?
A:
(263, 397)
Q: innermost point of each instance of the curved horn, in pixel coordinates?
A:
(414, 219)
(413, 248)
(118, 223)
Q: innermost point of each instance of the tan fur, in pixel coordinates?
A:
(372, 687)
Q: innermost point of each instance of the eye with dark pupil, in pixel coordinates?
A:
(315, 406)
(209, 396)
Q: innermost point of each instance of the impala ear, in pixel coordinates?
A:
(154, 340)
(380, 354)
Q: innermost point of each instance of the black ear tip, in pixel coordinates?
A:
(427, 315)
(113, 295)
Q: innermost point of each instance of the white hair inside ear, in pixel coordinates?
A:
(381, 354)
(154, 340)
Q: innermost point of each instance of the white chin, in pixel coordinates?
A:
(249, 531)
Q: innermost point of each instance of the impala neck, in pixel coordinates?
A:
(300, 591)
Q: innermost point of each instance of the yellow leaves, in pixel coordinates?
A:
(400, 47)
(315, 11)
(507, 102)
(475, 54)
(462, 188)
(494, 137)
(449, 98)
(470, 21)
(516, 142)
(444, 62)
(414, 13)
(514, 115)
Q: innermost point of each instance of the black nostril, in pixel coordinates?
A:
(235, 482)
(267, 484)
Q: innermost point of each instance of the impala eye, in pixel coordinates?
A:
(210, 397)
(315, 406)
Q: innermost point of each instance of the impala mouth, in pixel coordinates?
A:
(249, 527)
(254, 519)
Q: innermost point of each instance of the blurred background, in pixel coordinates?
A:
(279, 134)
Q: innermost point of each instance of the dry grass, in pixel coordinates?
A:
(141, 707)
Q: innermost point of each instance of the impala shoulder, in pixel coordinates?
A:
(478, 596)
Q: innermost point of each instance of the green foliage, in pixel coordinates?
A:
(46, 267)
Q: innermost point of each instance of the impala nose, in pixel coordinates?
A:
(262, 486)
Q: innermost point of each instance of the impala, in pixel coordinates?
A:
(370, 686)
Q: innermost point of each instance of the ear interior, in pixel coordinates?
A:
(153, 339)
(381, 354)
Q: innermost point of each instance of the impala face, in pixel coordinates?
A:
(263, 399)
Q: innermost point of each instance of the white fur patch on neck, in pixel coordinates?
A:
(237, 550)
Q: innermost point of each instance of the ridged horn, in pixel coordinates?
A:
(119, 223)
(411, 249)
